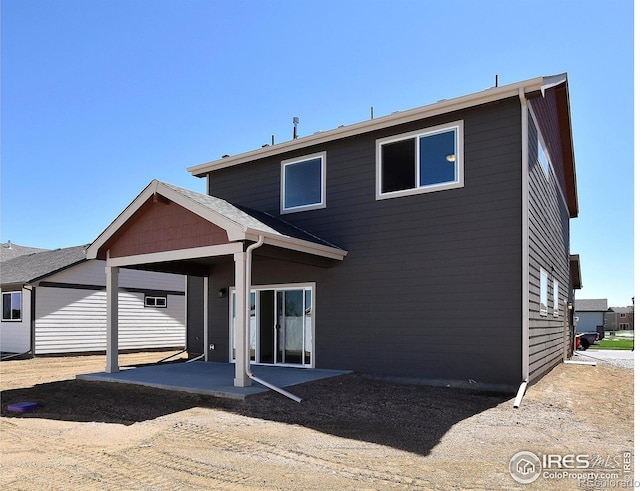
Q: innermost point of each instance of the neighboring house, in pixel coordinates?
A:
(55, 302)
(619, 318)
(8, 250)
(590, 314)
(430, 244)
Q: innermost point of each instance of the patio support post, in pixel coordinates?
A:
(242, 293)
(112, 319)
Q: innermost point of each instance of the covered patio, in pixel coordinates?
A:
(210, 378)
(172, 229)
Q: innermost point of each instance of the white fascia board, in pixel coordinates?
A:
(177, 255)
(438, 108)
(286, 242)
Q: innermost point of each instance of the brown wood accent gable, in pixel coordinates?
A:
(160, 226)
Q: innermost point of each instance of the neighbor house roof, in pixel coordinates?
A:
(592, 305)
(532, 88)
(33, 267)
(9, 250)
(621, 310)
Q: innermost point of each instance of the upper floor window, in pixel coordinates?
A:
(420, 161)
(544, 292)
(303, 183)
(623, 315)
(11, 306)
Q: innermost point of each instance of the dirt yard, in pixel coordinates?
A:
(349, 433)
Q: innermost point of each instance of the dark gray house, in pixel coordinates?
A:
(430, 244)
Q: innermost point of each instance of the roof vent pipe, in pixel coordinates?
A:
(296, 120)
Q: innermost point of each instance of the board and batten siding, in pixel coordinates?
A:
(548, 249)
(432, 283)
(72, 320)
(15, 336)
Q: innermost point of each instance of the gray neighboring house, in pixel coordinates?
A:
(429, 245)
(590, 314)
(54, 301)
(9, 250)
(619, 319)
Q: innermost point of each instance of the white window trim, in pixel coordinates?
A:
(544, 307)
(323, 183)
(457, 126)
(541, 143)
(155, 306)
(10, 293)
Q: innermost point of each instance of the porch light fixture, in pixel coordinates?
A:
(222, 293)
(451, 158)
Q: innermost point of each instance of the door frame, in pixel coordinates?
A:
(275, 288)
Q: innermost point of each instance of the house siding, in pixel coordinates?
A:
(548, 249)
(72, 320)
(431, 287)
(15, 336)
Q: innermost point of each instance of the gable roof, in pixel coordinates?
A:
(239, 223)
(592, 305)
(9, 250)
(31, 268)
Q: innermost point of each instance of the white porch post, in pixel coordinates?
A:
(112, 319)
(242, 292)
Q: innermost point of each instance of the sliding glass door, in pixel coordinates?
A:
(281, 325)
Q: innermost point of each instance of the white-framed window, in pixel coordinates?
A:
(155, 301)
(623, 315)
(542, 153)
(11, 306)
(423, 161)
(544, 292)
(623, 325)
(302, 183)
(556, 298)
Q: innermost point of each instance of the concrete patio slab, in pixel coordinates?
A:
(210, 378)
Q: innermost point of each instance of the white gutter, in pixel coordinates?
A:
(247, 367)
(445, 106)
(524, 115)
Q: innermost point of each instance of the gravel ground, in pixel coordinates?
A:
(349, 433)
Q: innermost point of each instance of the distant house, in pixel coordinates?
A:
(430, 244)
(55, 302)
(590, 314)
(9, 250)
(619, 318)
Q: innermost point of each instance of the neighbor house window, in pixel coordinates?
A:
(420, 161)
(623, 315)
(303, 183)
(556, 298)
(158, 302)
(544, 292)
(11, 306)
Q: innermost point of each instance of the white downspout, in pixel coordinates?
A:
(524, 115)
(247, 315)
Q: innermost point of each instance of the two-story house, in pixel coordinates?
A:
(430, 244)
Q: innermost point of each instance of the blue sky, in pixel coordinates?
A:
(100, 97)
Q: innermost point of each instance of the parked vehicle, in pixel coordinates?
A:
(586, 339)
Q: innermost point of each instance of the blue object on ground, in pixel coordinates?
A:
(22, 407)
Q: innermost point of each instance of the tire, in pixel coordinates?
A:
(584, 343)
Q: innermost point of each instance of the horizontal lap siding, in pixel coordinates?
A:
(431, 286)
(93, 273)
(74, 320)
(549, 249)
